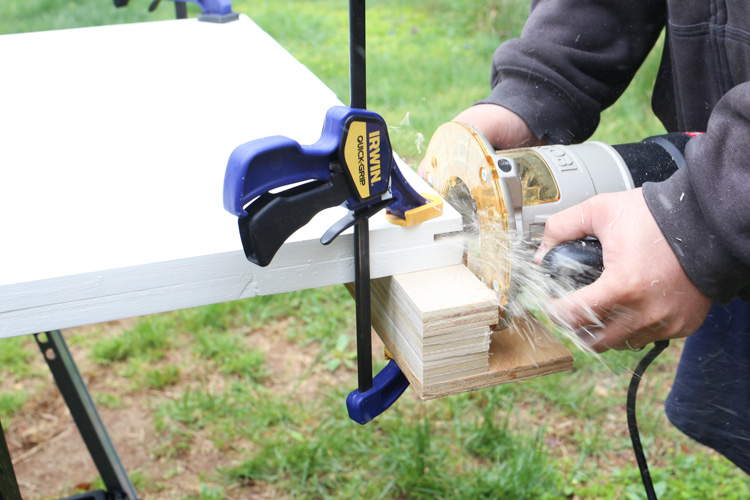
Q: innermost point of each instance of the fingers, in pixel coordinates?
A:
(617, 333)
(612, 336)
(604, 315)
(587, 306)
(571, 224)
(604, 319)
(643, 294)
(600, 328)
(503, 128)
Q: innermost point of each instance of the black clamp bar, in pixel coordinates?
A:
(358, 99)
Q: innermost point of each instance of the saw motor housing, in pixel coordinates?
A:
(507, 196)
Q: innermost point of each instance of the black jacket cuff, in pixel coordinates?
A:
(706, 261)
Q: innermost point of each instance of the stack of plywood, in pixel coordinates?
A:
(437, 325)
(442, 336)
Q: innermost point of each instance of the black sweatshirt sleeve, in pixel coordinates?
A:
(574, 59)
(704, 209)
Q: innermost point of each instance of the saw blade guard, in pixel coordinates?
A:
(459, 165)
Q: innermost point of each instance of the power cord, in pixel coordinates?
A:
(633, 424)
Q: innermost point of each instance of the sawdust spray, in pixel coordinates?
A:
(525, 296)
(528, 287)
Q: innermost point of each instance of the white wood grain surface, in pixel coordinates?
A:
(113, 145)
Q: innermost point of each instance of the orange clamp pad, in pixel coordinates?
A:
(420, 214)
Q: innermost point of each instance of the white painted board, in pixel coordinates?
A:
(113, 145)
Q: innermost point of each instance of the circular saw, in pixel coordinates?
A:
(505, 197)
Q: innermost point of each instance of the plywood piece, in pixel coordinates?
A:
(524, 350)
(443, 319)
(111, 186)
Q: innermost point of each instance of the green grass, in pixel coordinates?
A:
(18, 373)
(238, 411)
(417, 63)
(16, 356)
(159, 378)
(319, 459)
(207, 376)
(11, 402)
(148, 339)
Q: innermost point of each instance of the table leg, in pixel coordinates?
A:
(8, 483)
(86, 417)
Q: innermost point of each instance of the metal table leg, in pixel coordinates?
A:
(85, 415)
(8, 483)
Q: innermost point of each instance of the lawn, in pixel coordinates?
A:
(246, 399)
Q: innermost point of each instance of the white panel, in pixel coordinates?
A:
(114, 145)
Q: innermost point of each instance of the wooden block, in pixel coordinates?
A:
(441, 334)
(437, 326)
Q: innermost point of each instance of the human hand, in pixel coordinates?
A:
(643, 295)
(503, 128)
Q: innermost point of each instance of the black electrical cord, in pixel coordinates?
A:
(633, 424)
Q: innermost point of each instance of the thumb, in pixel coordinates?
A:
(571, 224)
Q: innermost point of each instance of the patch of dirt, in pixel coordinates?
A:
(51, 460)
(298, 369)
(53, 454)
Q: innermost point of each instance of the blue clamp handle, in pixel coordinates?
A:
(218, 11)
(218, 7)
(214, 7)
(351, 164)
(387, 387)
(258, 166)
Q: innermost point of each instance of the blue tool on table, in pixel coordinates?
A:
(274, 186)
(351, 164)
(215, 11)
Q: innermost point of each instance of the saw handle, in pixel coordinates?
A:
(578, 263)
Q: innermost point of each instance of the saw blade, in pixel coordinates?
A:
(459, 165)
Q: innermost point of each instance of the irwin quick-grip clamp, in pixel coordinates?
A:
(352, 165)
